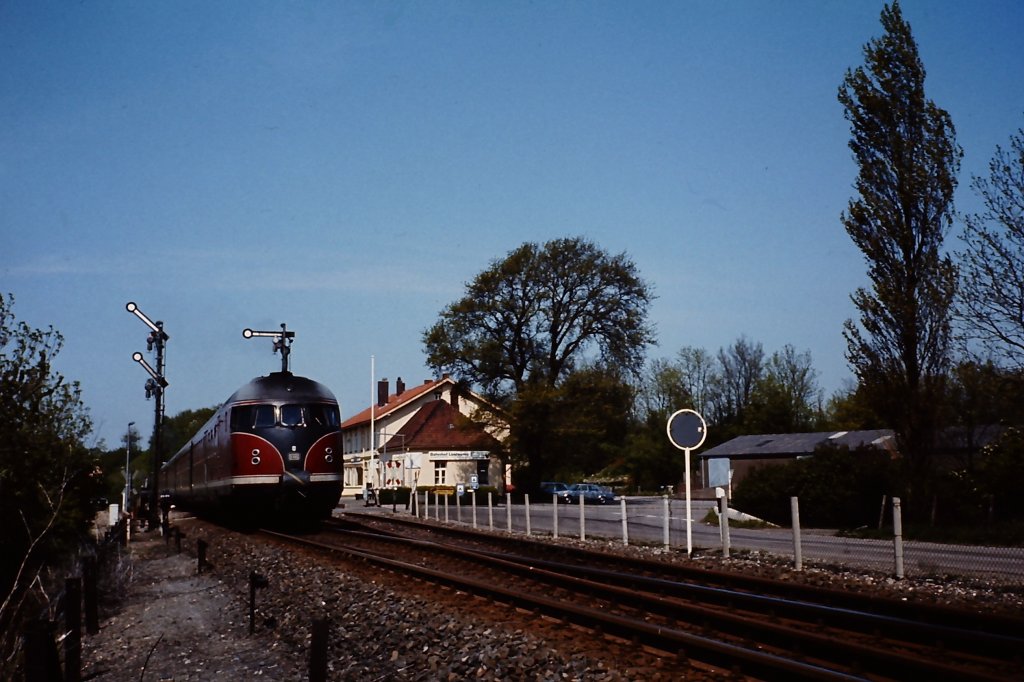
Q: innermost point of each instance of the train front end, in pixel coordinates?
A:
(285, 454)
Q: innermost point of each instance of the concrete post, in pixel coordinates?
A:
(554, 516)
(665, 533)
(625, 523)
(798, 556)
(583, 519)
(897, 528)
(723, 503)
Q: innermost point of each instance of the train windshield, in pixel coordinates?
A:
(319, 416)
(247, 417)
(322, 415)
(291, 415)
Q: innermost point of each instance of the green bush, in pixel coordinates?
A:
(837, 487)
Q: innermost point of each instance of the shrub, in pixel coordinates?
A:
(837, 487)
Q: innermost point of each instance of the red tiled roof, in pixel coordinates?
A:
(439, 426)
(395, 400)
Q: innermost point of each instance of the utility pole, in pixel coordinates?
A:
(155, 386)
(127, 476)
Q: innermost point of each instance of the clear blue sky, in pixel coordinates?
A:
(346, 167)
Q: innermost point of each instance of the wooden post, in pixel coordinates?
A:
(92, 612)
(318, 651)
(255, 581)
(73, 626)
(201, 555)
(42, 664)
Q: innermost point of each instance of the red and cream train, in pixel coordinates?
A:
(271, 451)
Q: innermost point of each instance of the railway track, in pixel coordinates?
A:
(692, 573)
(739, 626)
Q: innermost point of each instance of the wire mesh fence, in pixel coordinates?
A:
(663, 521)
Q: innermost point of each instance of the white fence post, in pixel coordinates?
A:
(583, 519)
(554, 516)
(526, 503)
(490, 510)
(446, 509)
(625, 523)
(472, 501)
(508, 510)
(723, 523)
(665, 524)
(897, 530)
(798, 556)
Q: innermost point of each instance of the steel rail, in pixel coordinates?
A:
(959, 618)
(673, 641)
(622, 589)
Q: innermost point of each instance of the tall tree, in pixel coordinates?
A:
(991, 297)
(787, 398)
(530, 319)
(650, 459)
(741, 366)
(663, 390)
(47, 476)
(907, 157)
(699, 376)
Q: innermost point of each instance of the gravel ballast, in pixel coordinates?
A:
(176, 625)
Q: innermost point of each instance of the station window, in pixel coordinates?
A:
(440, 473)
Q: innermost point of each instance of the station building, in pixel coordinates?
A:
(436, 434)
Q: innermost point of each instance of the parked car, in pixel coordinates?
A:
(549, 488)
(590, 493)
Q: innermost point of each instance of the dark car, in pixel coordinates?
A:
(590, 493)
(551, 488)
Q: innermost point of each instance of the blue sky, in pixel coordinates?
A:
(346, 168)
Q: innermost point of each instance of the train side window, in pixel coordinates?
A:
(264, 416)
(241, 418)
(291, 415)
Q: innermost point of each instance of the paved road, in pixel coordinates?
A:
(646, 518)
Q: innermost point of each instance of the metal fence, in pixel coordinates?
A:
(662, 521)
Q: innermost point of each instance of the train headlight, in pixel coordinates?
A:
(255, 456)
(329, 458)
